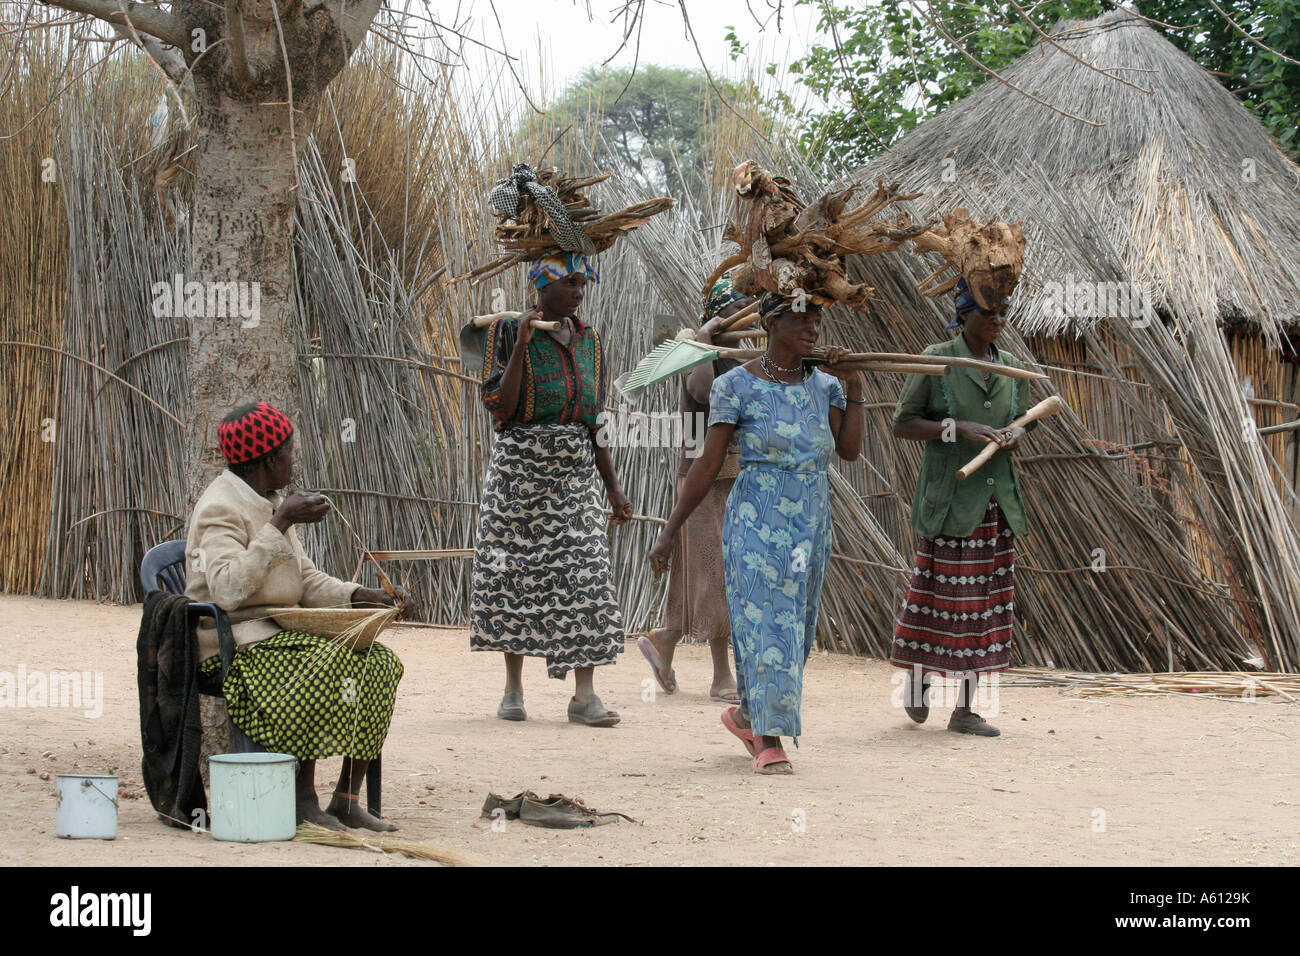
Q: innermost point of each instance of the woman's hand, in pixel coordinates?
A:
(976, 431)
(661, 553)
(833, 355)
(526, 329)
(709, 329)
(371, 597)
(622, 507)
(854, 382)
(850, 377)
(1012, 435)
(301, 507)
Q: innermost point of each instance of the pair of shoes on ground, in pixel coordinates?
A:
(593, 713)
(556, 812)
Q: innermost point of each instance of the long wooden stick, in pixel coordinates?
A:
(1048, 406)
(483, 321)
(851, 359)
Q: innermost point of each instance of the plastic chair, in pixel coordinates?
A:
(163, 568)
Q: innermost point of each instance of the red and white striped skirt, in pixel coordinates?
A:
(957, 614)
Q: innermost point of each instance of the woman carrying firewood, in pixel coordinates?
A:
(697, 578)
(787, 420)
(542, 584)
(956, 618)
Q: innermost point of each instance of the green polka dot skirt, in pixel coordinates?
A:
(311, 697)
(210, 676)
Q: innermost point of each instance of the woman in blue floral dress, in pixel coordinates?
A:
(786, 420)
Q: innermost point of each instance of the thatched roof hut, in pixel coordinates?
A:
(1164, 260)
(1184, 179)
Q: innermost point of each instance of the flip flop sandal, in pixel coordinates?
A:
(734, 697)
(746, 737)
(770, 758)
(647, 648)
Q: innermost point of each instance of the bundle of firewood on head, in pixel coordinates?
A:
(789, 248)
(795, 250)
(793, 256)
(990, 258)
(546, 213)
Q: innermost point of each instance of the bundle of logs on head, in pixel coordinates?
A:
(527, 235)
(791, 248)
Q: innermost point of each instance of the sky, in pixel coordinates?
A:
(556, 41)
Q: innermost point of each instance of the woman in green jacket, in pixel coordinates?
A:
(957, 615)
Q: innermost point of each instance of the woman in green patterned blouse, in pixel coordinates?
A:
(542, 582)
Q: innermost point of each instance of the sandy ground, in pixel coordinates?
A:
(1118, 781)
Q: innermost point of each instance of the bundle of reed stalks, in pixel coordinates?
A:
(1238, 685)
(354, 627)
(323, 836)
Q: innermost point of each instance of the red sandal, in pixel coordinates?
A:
(770, 757)
(729, 721)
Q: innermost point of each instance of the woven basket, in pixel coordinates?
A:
(355, 627)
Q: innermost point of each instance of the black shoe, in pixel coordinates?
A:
(918, 710)
(971, 723)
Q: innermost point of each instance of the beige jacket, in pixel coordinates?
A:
(236, 559)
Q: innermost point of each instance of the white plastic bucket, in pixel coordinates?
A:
(253, 797)
(87, 806)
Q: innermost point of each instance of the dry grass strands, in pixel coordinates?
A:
(354, 628)
(1232, 685)
(348, 840)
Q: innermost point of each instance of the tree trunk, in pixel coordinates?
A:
(242, 232)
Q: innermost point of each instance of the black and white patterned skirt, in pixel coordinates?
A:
(542, 584)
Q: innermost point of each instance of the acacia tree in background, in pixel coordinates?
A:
(655, 122)
(880, 69)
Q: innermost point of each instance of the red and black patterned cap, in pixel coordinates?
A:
(252, 431)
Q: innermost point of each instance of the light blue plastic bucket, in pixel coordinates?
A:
(253, 797)
(87, 806)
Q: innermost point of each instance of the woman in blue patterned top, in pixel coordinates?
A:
(777, 532)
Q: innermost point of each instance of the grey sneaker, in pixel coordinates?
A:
(971, 723)
(508, 805)
(559, 812)
(592, 713)
(512, 706)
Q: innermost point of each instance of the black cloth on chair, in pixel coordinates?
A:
(170, 730)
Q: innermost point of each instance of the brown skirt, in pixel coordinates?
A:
(697, 605)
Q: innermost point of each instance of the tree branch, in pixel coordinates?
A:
(353, 19)
(167, 27)
(957, 44)
(238, 54)
(168, 60)
(1238, 27)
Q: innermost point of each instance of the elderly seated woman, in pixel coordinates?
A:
(290, 692)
